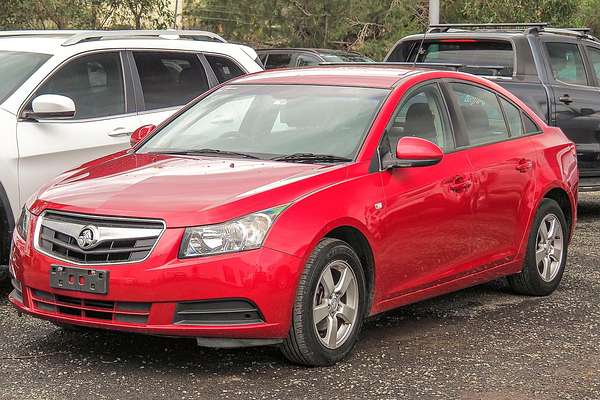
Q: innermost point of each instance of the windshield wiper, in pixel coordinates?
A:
(308, 157)
(195, 152)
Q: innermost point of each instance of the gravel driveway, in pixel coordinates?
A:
(480, 343)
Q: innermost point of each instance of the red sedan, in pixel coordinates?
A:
(286, 207)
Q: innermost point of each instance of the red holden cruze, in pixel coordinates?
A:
(286, 207)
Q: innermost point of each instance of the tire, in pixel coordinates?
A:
(311, 344)
(542, 278)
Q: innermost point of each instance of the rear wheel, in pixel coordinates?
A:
(330, 306)
(546, 252)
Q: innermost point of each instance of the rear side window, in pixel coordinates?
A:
(305, 60)
(481, 112)
(475, 55)
(93, 82)
(170, 79)
(566, 63)
(224, 68)
(276, 60)
(530, 126)
(513, 118)
(595, 60)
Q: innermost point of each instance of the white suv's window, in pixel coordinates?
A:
(94, 82)
(15, 68)
(170, 79)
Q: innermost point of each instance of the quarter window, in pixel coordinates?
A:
(170, 79)
(422, 114)
(481, 112)
(513, 118)
(94, 83)
(224, 68)
(567, 63)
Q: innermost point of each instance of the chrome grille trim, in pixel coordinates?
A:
(122, 240)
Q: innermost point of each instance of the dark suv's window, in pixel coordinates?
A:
(278, 60)
(474, 54)
(481, 112)
(93, 82)
(170, 79)
(567, 63)
(224, 68)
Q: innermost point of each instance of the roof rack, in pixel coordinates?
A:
(509, 26)
(583, 33)
(89, 36)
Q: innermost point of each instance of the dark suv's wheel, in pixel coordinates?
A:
(546, 252)
(330, 306)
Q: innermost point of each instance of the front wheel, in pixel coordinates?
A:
(330, 306)
(546, 252)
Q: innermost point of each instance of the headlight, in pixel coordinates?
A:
(23, 224)
(244, 233)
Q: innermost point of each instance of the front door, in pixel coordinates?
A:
(102, 124)
(426, 230)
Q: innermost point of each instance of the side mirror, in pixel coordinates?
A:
(415, 152)
(51, 106)
(140, 133)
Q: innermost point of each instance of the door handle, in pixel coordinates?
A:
(120, 132)
(460, 184)
(524, 165)
(566, 99)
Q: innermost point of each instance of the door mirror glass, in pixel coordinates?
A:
(415, 152)
(140, 133)
(51, 106)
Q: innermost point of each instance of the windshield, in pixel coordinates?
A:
(271, 121)
(15, 68)
(345, 57)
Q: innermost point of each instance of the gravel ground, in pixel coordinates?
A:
(480, 343)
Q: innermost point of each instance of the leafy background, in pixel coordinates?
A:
(370, 27)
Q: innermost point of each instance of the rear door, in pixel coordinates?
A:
(503, 159)
(577, 100)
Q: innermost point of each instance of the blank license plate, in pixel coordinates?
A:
(79, 279)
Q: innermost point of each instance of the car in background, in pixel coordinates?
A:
(67, 97)
(301, 57)
(556, 72)
(285, 207)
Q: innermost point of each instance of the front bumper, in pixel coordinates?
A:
(146, 297)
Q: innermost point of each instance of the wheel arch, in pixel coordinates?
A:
(565, 203)
(7, 225)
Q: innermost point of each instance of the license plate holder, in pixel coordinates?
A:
(79, 279)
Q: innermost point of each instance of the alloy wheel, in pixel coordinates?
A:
(550, 247)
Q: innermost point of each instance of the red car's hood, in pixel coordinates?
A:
(184, 191)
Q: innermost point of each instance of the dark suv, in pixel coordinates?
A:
(555, 71)
(294, 57)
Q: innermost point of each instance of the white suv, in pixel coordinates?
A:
(67, 97)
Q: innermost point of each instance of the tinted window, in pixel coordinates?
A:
(595, 60)
(276, 60)
(305, 60)
(530, 126)
(471, 53)
(94, 83)
(224, 68)
(345, 57)
(481, 112)
(272, 120)
(513, 118)
(422, 114)
(566, 62)
(15, 68)
(170, 79)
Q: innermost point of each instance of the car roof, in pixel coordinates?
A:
(384, 77)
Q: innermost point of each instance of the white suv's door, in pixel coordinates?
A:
(102, 124)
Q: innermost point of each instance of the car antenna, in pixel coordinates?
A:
(420, 46)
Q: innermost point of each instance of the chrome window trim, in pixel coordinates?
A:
(38, 228)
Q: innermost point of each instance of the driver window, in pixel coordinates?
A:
(422, 114)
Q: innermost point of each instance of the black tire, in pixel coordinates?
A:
(302, 346)
(529, 280)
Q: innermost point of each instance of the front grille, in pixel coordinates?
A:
(120, 240)
(133, 313)
(219, 312)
